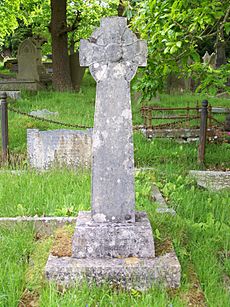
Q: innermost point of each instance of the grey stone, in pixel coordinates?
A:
(12, 94)
(113, 240)
(76, 71)
(212, 180)
(30, 61)
(16, 85)
(71, 148)
(162, 205)
(127, 273)
(209, 59)
(43, 113)
(113, 243)
(220, 110)
(113, 55)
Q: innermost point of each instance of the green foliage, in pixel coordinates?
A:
(90, 12)
(35, 15)
(173, 30)
(8, 17)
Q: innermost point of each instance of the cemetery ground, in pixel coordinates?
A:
(199, 232)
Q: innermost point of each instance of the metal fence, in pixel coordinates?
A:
(199, 118)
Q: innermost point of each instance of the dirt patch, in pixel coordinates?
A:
(195, 295)
(163, 247)
(62, 246)
(29, 299)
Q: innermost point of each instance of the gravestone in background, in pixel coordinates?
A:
(76, 71)
(58, 148)
(30, 60)
(113, 242)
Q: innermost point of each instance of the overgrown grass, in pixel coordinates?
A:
(15, 247)
(78, 109)
(200, 231)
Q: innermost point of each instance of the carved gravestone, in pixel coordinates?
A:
(113, 242)
(59, 148)
(30, 60)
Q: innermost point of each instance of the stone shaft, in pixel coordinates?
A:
(113, 196)
(113, 54)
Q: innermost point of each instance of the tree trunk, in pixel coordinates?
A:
(120, 9)
(220, 49)
(59, 35)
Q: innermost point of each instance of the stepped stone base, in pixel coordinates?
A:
(120, 254)
(127, 273)
(113, 240)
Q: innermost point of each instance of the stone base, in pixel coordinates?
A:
(18, 85)
(127, 273)
(113, 240)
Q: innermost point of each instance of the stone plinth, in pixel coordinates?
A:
(113, 240)
(127, 273)
(16, 85)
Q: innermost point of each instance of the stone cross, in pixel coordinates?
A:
(113, 54)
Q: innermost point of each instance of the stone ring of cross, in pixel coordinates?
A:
(113, 52)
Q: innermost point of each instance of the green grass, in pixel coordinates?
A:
(78, 109)
(200, 231)
(15, 247)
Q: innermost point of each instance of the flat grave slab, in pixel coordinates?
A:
(212, 180)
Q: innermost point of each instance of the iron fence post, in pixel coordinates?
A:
(4, 126)
(203, 132)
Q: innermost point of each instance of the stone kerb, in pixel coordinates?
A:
(212, 180)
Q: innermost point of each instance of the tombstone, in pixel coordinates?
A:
(76, 71)
(30, 60)
(209, 59)
(112, 242)
(59, 148)
(206, 58)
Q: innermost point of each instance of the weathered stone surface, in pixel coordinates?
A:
(162, 205)
(69, 148)
(113, 243)
(213, 180)
(12, 94)
(128, 273)
(185, 133)
(43, 113)
(113, 54)
(16, 85)
(113, 240)
(76, 71)
(30, 60)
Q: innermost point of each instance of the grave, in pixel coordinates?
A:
(113, 243)
(31, 72)
(58, 148)
(76, 71)
(30, 65)
(212, 180)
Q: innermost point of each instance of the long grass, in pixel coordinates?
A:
(200, 231)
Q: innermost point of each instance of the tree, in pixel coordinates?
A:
(59, 33)
(175, 29)
(67, 20)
